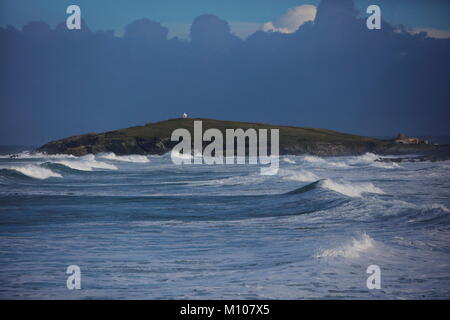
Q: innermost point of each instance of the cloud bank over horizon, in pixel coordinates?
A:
(292, 19)
(314, 67)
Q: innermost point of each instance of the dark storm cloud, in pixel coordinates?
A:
(146, 30)
(332, 73)
(211, 32)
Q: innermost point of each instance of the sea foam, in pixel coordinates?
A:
(352, 249)
(287, 160)
(351, 189)
(85, 163)
(386, 165)
(35, 155)
(321, 161)
(129, 158)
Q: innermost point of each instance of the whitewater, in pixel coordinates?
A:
(140, 227)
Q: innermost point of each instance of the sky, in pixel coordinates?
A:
(245, 17)
(303, 63)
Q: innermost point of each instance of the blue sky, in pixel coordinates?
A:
(244, 16)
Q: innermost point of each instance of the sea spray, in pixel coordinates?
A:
(351, 249)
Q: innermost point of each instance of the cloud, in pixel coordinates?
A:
(334, 73)
(178, 29)
(243, 28)
(146, 30)
(432, 32)
(212, 33)
(292, 19)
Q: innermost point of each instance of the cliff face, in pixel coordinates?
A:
(154, 138)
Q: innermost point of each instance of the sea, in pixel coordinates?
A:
(141, 227)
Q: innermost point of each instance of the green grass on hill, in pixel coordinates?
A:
(288, 134)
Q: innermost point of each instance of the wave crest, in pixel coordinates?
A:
(385, 165)
(135, 158)
(300, 175)
(34, 171)
(85, 163)
(319, 160)
(351, 189)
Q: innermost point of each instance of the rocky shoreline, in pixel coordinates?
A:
(438, 153)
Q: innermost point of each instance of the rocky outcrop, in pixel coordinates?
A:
(154, 138)
(92, 143)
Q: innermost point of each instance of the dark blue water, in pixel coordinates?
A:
(143, 228)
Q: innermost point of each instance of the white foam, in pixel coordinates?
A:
(385, 165)
(300, 175)
(129, 158)
(351, 190)
(35, 155)
(322, 161)
(313, 159)
(177, 154)
(366, 158)
(440, 207)
(338, 164)
(286, 159)
(34, 171)
(352, 249)
(85, 163)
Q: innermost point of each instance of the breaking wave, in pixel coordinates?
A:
(386, 165)
(348, 189)
(135, 158)
(181, 156)
(351, 189)
(33, 171)
(85, 163)
(301, 175)
(366, 158)
(439, 207)
(322, 161)
(351, 249)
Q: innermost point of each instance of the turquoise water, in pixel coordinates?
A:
(140, 227)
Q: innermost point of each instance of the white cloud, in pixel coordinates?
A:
(292, 19)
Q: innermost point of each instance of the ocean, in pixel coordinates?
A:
(140, 227)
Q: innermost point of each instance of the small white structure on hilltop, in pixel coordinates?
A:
(185, 115)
